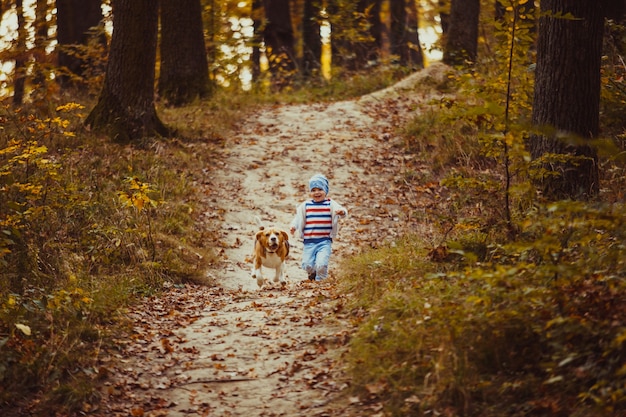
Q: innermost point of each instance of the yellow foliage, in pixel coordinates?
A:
(138, 197)
(75, 299)
(68, 107)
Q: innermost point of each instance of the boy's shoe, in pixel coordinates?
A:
(312, 276)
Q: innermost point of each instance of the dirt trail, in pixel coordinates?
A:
(239, 350)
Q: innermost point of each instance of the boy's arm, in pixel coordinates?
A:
(338, 209)
(296, 223)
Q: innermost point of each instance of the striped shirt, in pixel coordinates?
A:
(319, 221)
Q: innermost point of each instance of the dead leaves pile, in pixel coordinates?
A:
(200, 351)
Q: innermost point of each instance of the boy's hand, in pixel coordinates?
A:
(292, 230)
(341, 212)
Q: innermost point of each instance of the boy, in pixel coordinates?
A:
(317, 221)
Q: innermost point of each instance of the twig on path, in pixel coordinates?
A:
(211, 381)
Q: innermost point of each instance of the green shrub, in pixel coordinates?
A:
(83, 231)
(541, 327)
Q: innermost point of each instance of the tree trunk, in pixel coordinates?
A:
(279, 41)
(311, 40)
(444, 16)
(461, 42)
(368, 50)
(404, 37)
(41, 43)
(184, 70)
(567, 97)
(125, 110)
(397, 10)
(74, 20)
(376, 29)
(257, 19)
(20, 60)
(500, 10)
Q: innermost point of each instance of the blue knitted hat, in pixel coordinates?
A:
(318, 181)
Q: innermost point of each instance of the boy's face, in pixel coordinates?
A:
(318, 195)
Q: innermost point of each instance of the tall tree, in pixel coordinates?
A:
(125, 110)
(19, 82)
(279, 41)
(41, 42)
(376, 27)
(258, 20)
(184, 70)
(75, 18)
(415, 55)
(444, 15)
(567, 96)
(461, 42)
(311, 40)
(404, 37)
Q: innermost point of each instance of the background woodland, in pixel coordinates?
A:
(513, 305)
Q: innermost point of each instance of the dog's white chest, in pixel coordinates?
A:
(272, 260)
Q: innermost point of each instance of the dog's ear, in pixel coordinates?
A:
(284, 235)
(258, 234)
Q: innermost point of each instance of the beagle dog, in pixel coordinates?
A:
(271, 248)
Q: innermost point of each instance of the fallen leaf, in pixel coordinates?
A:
(23, 328)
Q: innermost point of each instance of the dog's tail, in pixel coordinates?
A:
(259, 222)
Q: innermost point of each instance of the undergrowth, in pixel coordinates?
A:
(520, 311)
(537, 329)
(86, 226)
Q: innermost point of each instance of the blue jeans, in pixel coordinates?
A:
(315, 258)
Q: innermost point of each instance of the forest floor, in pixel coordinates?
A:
(234, 349)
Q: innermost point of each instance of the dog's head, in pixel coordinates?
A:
(272, 239)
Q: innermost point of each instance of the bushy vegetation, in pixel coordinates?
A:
(85, 226)
(535, 328)
(520, 311)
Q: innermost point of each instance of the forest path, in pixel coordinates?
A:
(239, 350)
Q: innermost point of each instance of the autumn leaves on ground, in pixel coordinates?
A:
(233, 349)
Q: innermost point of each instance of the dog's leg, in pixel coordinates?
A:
(280, 274)
(257, 272)
(254, 269)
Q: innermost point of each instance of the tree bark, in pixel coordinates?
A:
(279, 41)
(444, 16)
(311, 40)
(376, 28)
(19, 83)
(257, 19)
(184, 70)
(461, 44)
(125, 110)
(567, 97)
(74, 20)
(404, 37)
(41, 42)
(369, 50)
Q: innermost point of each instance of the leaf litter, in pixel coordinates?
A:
(233, 349)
